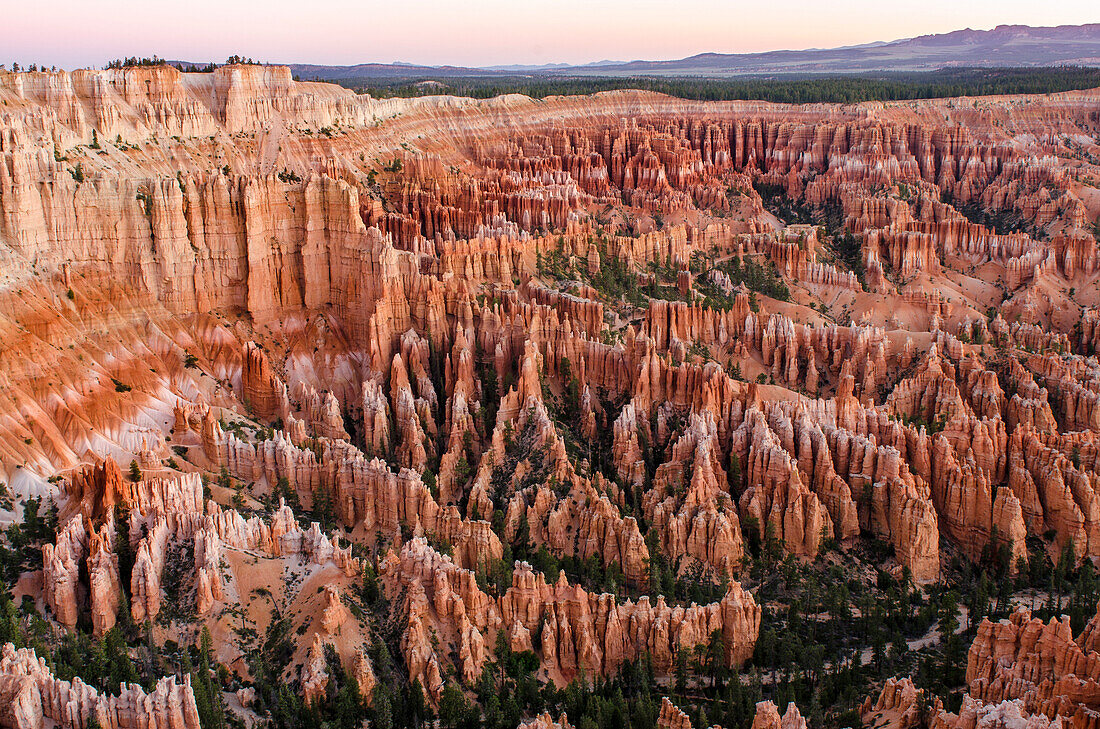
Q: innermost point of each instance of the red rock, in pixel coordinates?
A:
(396, 302)
(581, 632)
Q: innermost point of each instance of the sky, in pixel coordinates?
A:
(83, 33)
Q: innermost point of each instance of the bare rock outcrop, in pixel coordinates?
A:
(163, 513)
(1038, 664)
(472, 347)
(767, 717)
(545, 721)
(36, 695)
(315, 671)
(580, 631)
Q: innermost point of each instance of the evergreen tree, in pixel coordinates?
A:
(204, 682)
(324, 512)
(382, 707)
(116, 667)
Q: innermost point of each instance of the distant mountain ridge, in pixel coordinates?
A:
(1005, 45)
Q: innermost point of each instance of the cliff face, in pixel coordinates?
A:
(568, 330)
(137, 103)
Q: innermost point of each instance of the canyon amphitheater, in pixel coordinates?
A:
(309, 339)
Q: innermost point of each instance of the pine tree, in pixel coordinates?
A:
(735, 461)
(117, 666)
(452, 707)
(9, 623)
(152, 655)
(348, 707)
(49, 524)
(382, 707)
(323, 511)
(204, 682)
(123, 549)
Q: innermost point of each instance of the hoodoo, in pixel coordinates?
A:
(607, 410)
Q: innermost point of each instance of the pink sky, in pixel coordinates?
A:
(78, 33)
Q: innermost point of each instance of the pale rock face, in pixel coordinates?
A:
(367, 494)
(376, 422)
(264, 392)
(162, 512)
(703, 524)
(1005, 715)
(671, 717)
(767, 717)
(315, 671)
(104, 583)
(897, 706)
(322, 410)
(99, 488)
(1020, 673)
(246, 696)
(62, 590)
(32, 694)
(364, 676)
(1041, 664)
(545, 721)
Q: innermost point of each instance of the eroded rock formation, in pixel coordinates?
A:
(566, 329)
(32, 695)
(580, 631)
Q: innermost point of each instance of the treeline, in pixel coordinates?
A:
(135, 62)
(34, 67)
(831, 89)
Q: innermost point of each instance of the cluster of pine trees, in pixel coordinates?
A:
(135, 62)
